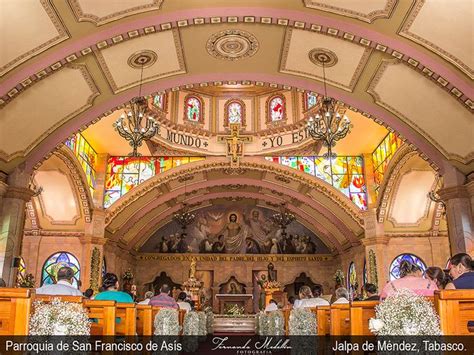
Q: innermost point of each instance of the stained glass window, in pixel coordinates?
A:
(352, 278)
(382, 156)
(104, 267)
(124, 173)
(234, 112)
(365, 275)
(395, 265)
(193, 109)
(86, 156)
(159, 101)
(345, 173)
(276, 109)
(54, 263)
(21, 275)
(310, 100)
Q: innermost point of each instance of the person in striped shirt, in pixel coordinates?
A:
(164, 300)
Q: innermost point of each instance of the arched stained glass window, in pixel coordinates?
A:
(159, 101)
(52, 265)
(310, 100)
(104, 267)
(234, 112)
(21, 275)
(365, 275)
(352, 278)
(193, 109)
(276, 109)
(395, 265)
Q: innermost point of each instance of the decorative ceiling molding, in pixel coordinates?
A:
(413, 63)
(232, 45)
(94, 92)
(405, 31)
(80, 15)
(61, 36)
(369, 17)
(371, 89)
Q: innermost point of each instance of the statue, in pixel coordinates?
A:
(192, 269)
(271, 272)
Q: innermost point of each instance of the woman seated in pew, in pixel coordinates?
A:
(342, 296)
(110, 286)
(461, 269)
(307, 300)
(411, 277)
(437, 275)
(148, 296)
(183, 303)
(371, 292)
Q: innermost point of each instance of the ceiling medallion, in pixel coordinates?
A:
(319, 56)
(142, 59)
(232, 45)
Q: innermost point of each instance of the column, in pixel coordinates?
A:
(375, 243)
(12, 221)
(459, 215)
(369, 180)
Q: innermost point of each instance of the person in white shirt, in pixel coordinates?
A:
(148, 295)
(63, 286)
(342, 296)
(182, 304)
(307, 300)
(271, 306)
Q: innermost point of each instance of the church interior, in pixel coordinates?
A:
(224, 143)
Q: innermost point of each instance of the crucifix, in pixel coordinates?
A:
(235, 144)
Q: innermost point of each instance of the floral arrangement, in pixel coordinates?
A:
(95, 269)
(234, 310)
(272, 284)
(192, 283)
(166, 322)
(28, 281)
(276, 326)
(263, 323)
(339, 277)
(202, 324)
(209, 319)
(302, 322)
(405, 313)
(59, 318)
(191, 323)
(127, 275)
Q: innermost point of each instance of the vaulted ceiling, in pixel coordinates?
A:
(408, 64)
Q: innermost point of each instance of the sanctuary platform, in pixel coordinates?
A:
(241, 324)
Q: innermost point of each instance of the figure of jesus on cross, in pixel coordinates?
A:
(235, 144)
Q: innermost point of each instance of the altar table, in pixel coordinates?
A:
(243, 300)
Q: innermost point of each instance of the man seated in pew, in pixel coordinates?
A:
(308, 300)
(271, 306)
(63, 286)
(164, 300)
(148, 296)
(342, 296)
(89, 293)
(411, 277)
(110, 286)
(183, 303)
(371, 292)
(461, 269)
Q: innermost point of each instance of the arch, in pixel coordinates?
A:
(193, 109)
(275, 109)
(394, 271)
(234, 112)
(54, 262)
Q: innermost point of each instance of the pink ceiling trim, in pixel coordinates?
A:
(85, 118)
(138, 215)
(320, 230)
(398, 44)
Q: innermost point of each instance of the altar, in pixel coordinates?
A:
(243, 300)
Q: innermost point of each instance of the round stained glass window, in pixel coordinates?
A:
(54, 263)
(395, 265)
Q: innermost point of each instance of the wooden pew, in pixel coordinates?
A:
(103, 312)
(144, 319)
(340, 321)
(15, 308)
(455, 309)
(49, 298)
(323, 317)
(127, 313)
(360, 314)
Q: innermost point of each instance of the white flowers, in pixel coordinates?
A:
(302, 322)
(59, 318)
(166, 322)
(405, 313)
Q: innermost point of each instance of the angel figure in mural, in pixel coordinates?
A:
(259, 226)
(234, 238)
